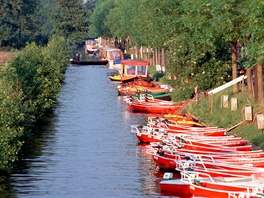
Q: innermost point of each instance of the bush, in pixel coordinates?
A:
(29, 85)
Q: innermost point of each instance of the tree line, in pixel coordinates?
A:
(205, 39)
(25, 21)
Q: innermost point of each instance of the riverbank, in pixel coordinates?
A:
(232, 120)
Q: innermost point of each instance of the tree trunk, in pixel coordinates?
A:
(163, 57)
(148, 54)
(249, 83)
(234, 64)
(155, 57)
(259, 79)
(141, 52)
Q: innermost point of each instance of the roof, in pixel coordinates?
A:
(134, 62)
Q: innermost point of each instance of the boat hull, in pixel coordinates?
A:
(89, 62)
(175, 187)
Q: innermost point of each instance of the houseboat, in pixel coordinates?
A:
(130, 70)
(91, 45)
(112, 55)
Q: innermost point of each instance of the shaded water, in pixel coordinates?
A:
(86, 150)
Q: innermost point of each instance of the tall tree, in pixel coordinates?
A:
(253, 32)
(68, 19)
(98, 18)
(17, 22)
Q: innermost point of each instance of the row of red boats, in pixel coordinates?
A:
(198, 160)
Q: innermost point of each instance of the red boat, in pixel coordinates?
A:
(177, 187)
(217, 148)
(221, 170)
(153, 148)
(169, 162)
(147, 138)
(155, 108)
(209, 143)
(165, 162)
(172, 125)
(226, 188)
(230, 184)
(137, 86)
(216, 132)
(213, 190)
(148, 134)
(198, 184)
(179, 120)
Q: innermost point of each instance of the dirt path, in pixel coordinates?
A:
(4, 56)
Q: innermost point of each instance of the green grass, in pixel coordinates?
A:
(224, 117)
(250, 132)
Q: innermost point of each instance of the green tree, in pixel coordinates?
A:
(17, 22)
(98, 19)
(29, 86)
(253, 42)
(68, 20)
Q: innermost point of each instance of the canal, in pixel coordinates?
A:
(86, 149)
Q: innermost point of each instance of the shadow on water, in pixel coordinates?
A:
(32, 149)
(84, 148)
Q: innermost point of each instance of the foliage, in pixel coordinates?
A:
(197, 33)
(68, 20)
(18, 23)
(29, 86)
(253, 33)
(98, 18)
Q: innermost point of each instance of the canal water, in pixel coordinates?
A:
(86, 149)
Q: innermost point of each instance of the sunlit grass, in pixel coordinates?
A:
(224, 117)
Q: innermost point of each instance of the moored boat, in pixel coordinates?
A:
(111, 54)
(130, 70)
(89, 62)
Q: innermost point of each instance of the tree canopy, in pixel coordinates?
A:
(203, 37)
(18, 23)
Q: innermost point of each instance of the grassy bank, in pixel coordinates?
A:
(224, 117)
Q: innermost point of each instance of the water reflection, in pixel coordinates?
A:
(86, 150)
